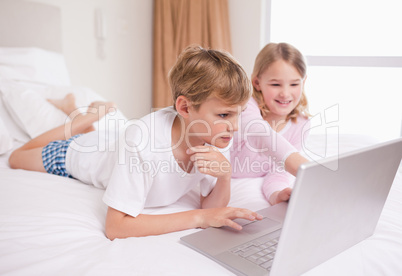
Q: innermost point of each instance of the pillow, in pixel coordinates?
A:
(6, 141)
(14, 131)
(33, 64)
(30, 110)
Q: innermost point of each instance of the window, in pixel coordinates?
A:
(354, 55)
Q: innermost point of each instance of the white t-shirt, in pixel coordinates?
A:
(136, 166)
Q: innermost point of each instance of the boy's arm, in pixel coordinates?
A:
(219, 196)
(120, 225)
(209, 160)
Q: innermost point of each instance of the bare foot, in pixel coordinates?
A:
(83, 122)
(101, 108)
(67, 104)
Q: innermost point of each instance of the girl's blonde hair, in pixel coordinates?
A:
(200, 73)
(266, 57)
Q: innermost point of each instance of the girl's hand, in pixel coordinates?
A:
(218, 217)
(280, 196)
(209, 160)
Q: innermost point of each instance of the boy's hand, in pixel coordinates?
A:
(217, 217)
(209, 160)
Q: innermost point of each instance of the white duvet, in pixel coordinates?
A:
(51, 225)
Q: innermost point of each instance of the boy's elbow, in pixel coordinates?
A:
(110, 236)
(112, 232)
(13, 160)
(115, 231)
(119, 225)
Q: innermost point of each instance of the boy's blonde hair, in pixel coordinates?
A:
(267, 56)
(200, 73)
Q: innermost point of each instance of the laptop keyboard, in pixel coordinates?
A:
(260, 251)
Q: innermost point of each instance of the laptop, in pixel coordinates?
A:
(329, 211)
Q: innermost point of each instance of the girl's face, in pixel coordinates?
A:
(281, 86)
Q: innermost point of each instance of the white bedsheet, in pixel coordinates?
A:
(51, 225)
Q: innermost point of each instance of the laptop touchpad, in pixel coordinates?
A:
(265, 224)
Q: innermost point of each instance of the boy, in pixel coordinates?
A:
(160, 157)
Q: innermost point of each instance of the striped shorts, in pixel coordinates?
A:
(54, 156)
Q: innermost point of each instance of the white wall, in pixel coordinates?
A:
(125, 75)
(246, 30)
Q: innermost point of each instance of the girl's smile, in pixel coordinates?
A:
(281, 86)
(283, 103)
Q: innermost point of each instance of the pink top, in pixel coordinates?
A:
(259, 151)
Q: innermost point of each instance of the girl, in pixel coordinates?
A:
(278, 99)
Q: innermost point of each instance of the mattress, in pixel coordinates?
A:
(50, 225)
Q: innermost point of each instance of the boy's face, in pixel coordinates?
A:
(214, 122)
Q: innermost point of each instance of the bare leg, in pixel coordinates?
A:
(67, 104)
(29, 156)
(80, 123)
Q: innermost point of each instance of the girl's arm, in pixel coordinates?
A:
(293, 162)
(258, 136)
(276, 185)
(298, 140)
(273, 184)
(120, 225)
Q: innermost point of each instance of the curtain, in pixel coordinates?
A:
(178, 24)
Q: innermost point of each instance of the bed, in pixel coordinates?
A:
(51, 225)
